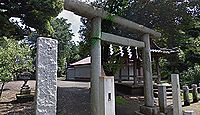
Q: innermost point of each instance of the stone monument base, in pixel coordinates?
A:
(24, 97)
(25, 91)
(144, 110)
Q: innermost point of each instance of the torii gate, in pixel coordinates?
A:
(96, 15)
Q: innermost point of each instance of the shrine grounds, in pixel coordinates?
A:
(73, 99)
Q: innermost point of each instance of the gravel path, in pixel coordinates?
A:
(73, 99)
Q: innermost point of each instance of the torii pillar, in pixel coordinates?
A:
(148, 108)
(95, 65)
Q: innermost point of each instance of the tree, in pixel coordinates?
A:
(67, 49)
(14, 57)
(191, 76)
(33, 13)
(170, 17)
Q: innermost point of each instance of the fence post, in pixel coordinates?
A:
(177, 105)
(186, 95)
(199, 88)
(162, 98)
(194, 93)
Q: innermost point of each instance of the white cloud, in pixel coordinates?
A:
(74, 20)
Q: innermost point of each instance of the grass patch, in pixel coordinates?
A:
(121, 101)
(62, 113)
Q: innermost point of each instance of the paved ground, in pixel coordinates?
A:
(73, 99)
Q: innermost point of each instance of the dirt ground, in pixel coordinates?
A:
(194, 106)
(73, 99)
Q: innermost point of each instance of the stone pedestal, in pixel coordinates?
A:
(149, 110)
(162, 98)
(25, 93)
(107, 95)
(144, 110)
(176, 95)
(186, 95)
(194, 93)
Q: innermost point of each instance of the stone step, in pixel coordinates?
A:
(168, 90)
(168, 94)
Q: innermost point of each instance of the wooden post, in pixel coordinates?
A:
(194, 93)
(120, 76)
(186, 95)
(162, 98)
(135, 70)
(147, 70)
(177, 105)
(127, 62)
(95, 65)
(158, 69)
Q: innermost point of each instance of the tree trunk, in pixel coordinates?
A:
(2, 88)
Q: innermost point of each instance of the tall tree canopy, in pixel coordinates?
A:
(38, 18)
(172, 18)
(33, 13)
(68, 50)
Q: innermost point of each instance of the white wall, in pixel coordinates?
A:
(81, 71)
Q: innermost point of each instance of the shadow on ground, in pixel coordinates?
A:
(76, 101)
(73, 99)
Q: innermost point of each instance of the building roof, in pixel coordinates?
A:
(84, 61)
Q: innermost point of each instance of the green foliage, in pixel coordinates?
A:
(67, 50)
(178, 22)
(14, 58)
(112, 66)
(33, 13)
(191, 48)
(121, 101)
(191, 76)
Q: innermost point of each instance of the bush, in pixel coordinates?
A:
(191, 76)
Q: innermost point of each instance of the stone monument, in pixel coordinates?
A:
(25, 91)
(46, 76)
